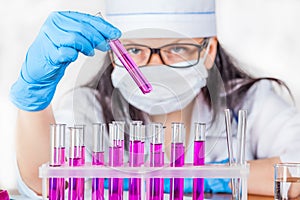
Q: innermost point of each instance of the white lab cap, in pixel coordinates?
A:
(188, 18)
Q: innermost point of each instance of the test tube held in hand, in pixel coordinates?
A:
(76, 158)
(57, 158)
(116, 154)
(132, 68)
(136, 157)
(99, 130)
(199, 159)
(177, 159)
(156, 185)
(134, 71)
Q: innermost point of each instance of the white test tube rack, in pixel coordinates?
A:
(237, 171)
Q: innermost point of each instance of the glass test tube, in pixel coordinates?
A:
(76, 185)
(99, 131)
(57, 158)
(116, 154)
(199, 159)
(241, 160)
(81, 140)
(156, 185)
(177, 159)
(241, 134)
(130, 65)
(136, 156)
(227, 113)
(133, 70)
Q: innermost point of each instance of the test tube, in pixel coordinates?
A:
(156, 185)
(120, 130)
(57, 158)
(136, 156)
(116, 154)
(177, 159)
(230, 149)
(76, 185)
(199, 159)
(99, 130)
(81, 140)
(132, 68)
(241, 136)
(130, 65)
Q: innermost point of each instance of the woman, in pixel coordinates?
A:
(214, 83)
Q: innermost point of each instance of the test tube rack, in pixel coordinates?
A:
(237, 171)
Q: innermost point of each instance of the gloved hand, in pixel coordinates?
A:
(217, 185)
(61, 38)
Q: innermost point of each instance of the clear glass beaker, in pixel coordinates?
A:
(287, 181)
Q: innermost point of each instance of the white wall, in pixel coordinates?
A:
(263, 36)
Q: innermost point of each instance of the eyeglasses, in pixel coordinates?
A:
(177, 55)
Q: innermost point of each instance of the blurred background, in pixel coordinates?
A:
(263, 36)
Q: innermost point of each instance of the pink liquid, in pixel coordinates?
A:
(57, 185)
(59, 156)
(98, 183)
(83, 154)
(199, 159)
(4, 195)
(76, 185)
(136, 151)
(57, 188)
(115, 185)
(121, 146)
(177, 160)
(130, 66)
(156, 155)
(136, 159)
(156, 187)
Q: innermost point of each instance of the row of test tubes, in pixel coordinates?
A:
(154, 186)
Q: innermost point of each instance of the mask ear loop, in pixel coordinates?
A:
(204, 58)
(207, 49)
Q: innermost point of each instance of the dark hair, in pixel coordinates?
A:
(224, 73)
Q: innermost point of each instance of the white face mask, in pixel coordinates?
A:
(173, 88)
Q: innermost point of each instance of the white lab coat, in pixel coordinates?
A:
(273, 125)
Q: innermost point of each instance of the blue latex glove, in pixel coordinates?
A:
(217, 185)
(61, 38)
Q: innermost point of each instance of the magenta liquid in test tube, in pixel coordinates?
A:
(177, 159)
(136, 157)
(76, 185)
(116, 156)
(99, 130)
(130, 66)
(199, 159)
(82, 145)
(155, 189)
(57, 158)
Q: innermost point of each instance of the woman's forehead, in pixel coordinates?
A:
(157, 42)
